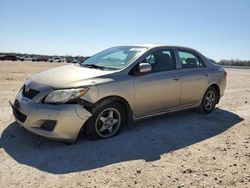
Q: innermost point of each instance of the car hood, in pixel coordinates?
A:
(71, 76)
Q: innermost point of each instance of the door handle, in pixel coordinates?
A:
(176, 77)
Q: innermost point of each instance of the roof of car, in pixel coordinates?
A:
(161, 45)
(150, 45)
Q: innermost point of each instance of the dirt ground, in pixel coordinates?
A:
(184, 149)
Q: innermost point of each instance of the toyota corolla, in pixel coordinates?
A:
(104, 93)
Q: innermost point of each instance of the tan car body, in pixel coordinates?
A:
(143, 95)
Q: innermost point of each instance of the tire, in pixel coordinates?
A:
(107, 121)
(208, 102)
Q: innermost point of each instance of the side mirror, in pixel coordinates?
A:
(144, 68)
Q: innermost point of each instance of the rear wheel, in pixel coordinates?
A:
(208, 101)
(107, 121)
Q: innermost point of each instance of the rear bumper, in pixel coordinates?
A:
(222, 85)
(67, 119)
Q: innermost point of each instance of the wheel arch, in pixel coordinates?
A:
(114, 98)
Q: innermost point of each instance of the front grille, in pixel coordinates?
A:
(19, 115)
(29, 93)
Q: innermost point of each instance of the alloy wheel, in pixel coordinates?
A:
(108, 122)
(209, 100)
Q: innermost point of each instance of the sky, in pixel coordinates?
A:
(220, 29)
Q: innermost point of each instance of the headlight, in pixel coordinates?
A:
(65, 95)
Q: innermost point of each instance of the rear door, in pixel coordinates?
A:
(195, 76)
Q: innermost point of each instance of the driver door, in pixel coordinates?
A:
(159, 89)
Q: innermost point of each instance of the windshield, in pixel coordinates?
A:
(114, 58)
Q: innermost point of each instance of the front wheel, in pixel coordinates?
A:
(107, 121)
(208, 101)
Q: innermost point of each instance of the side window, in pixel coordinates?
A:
(189, 60)
(150, 59)
(161, 60)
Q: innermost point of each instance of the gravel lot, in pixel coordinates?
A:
(184, 149)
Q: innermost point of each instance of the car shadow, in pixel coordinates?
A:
(147, 140)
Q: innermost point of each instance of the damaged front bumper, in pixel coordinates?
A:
(55, 121)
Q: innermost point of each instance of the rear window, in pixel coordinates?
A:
(213, 61)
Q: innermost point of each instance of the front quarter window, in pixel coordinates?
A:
(114, 58)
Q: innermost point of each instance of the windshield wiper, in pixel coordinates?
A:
(93, 66)
(98, 67)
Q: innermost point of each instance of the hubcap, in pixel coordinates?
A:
(210, 100)
(108, 122)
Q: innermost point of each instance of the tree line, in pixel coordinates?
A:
(234, 62)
